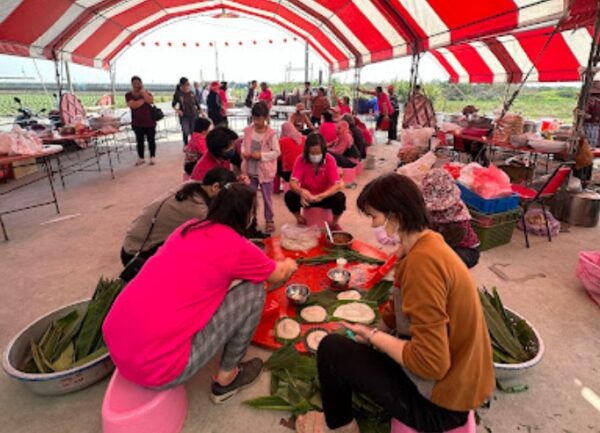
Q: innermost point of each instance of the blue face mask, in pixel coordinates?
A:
(229, 154)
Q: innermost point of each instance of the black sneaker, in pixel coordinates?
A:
(249, 372)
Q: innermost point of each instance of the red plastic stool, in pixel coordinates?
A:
(130, 408)
(349, 175)
(469, 427)
(316, 216)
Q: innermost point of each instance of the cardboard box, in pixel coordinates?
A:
(24, 167)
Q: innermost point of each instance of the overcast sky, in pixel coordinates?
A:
(263, 61)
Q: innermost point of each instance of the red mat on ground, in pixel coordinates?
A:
(364, 277)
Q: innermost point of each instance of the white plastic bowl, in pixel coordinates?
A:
(58, 383)
(507, 372)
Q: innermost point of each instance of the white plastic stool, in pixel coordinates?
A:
(130, 408)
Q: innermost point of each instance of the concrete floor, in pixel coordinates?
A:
(46, 266)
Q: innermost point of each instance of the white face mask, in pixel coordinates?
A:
(384, 238)
(315, 159)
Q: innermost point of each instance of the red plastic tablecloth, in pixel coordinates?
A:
(364, 277)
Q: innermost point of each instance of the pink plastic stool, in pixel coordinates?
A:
(129, 408)
(349, 175)
(469, 427)
(359, 168)
(316, 216)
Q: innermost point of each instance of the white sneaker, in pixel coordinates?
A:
(140, 161)
(152, 161)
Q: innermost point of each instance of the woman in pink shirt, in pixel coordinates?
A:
(266, 95)
(328, 128)
(342, 148)
(196, 146)
(201, 293)
(383, 102)
(315, 182)
(220, 150)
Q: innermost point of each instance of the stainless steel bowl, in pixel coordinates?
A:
(339, 277)
(509, 372)
(58, 383)
(298, 294)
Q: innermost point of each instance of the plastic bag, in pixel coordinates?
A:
(454, 168)
(588, 272)
(7, 142)
(418, 169)
(299, 238)
(534, 218)
(466, 174)
(418, 137)
(491, 182)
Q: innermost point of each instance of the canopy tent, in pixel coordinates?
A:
(508, 58)
(346, 33)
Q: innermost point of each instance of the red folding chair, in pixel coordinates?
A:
(530, 196)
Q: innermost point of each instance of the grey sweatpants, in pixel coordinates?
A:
(231, 327)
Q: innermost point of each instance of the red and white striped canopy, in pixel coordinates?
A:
(508, 58)
(346, 33)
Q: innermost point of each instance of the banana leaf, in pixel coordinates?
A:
(91, 328)
(525, 334)
(65, 359)
(51, 340)
(70, 325)
(499, 332)
(380, 292)
(270, 403)
(325, 299)
(94, 355)
(38, 357)
(285, 357)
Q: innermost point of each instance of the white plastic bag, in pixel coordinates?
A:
(7, 141)
(299, 238)
(418, 170)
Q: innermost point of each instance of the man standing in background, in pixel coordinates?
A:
(198, 93)
(393, 129)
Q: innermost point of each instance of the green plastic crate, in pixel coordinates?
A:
(492, 219)
(495, 235)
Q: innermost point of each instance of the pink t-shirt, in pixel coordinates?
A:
(344, 109)
(207, 163)
(328, 131)
(197, 143)
(150, 327)
(267, 97)
(326, 176)
(383, 100)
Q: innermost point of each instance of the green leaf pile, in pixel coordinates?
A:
(76, 338)
(295, 388)
(512, 339)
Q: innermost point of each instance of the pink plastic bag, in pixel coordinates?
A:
(491, 182)
(588, 272)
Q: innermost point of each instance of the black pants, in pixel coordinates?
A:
(126, 257)
(188, 167)
(150, 134)
(393, 129)
(187, 127)
(468, 255)
(345, 366)
(335, 202)
(342, 161)
(316, 121)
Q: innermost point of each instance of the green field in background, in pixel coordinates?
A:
(532, 102)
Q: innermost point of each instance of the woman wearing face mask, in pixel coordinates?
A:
(201, 294)
(219, 143)
(315, 182)
(421, 373)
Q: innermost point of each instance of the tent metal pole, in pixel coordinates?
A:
(355, 91)
(68, 74)
(113, 87)
(586, 87)
(57, 76)
(306, 61)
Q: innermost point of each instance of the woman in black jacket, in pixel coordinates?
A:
(187, 108)
(214, 105)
